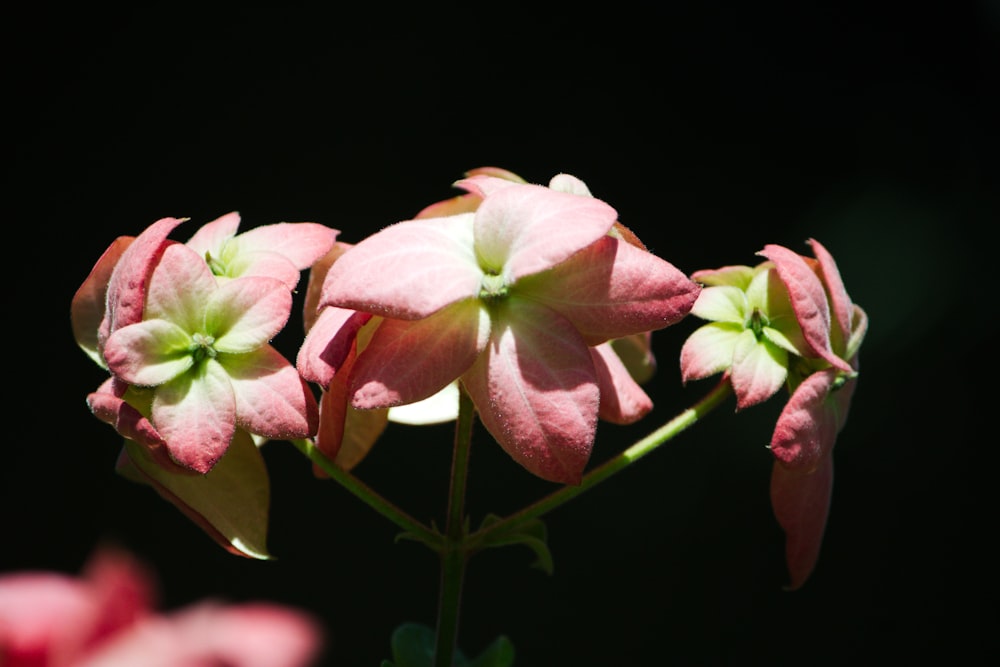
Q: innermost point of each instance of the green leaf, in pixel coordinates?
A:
(231, 502)
(413, 646)
(531, 534)
(498, 654)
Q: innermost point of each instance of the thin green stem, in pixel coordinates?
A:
(454, 555)
(370, 497)
(626, 458)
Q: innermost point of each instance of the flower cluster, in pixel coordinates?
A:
(785, 322)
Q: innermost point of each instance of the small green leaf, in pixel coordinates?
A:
(531, 534)
(413, 646)
(231, 502)
(498, 654)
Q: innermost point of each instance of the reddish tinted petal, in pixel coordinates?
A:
(328, 343)
(809, 301)
(271, 397)
(807, 427)
(408, 361)
(622, 400)
(408, 270)
(840, 302)
(131, 424)
(801, 502)
(525, 229)
(45, 618)
(535, 388)
(196, 415)
(87, 307)
(211, 237)
(612, 289)
(148, 353)
(127, 285)
(314, 286)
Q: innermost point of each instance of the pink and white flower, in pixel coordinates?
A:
(510, 297)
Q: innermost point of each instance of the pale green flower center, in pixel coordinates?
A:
(493, 287)
(758, 321)
(215, 264)
(201, 347)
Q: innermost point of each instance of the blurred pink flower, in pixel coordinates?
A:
(107, 618)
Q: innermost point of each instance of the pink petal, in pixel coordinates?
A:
(408, 361)
(482, 184)
(807, 427)
(45, 618)
(840, 302)
(271, 398)
(196, 416)
(131, 424)
(89, 301)
(328, 343)
(314, 285)
(408, 270)
(535, 389)
(801, 502)
(809, 301)
(212, 236)
(302, 243)
(611, 289)
(179, 288)
(263, 264)
(127, 286)
(246, 313)
(622, 400)
(526, 229)
(209, 633)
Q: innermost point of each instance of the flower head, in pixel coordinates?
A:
(511, 295)
(191, 324)
(785, 322)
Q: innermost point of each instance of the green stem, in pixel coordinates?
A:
(640, 449)
(454, 554)
(373, 499)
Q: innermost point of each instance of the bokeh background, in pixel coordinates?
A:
(713, 128)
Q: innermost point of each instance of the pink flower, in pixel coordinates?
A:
(192, 323)
(106, 618)
(512, 297)
(786, 322)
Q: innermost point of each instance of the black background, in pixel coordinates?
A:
(713, 129)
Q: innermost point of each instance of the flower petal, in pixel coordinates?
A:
(272, 399)
(840, 302)
(809, 301)
(807, 427)
(759, 370)
(612, 289)
(328, 343)
(801, 503)
(149, 353)
(406, 362)
(709, 350)
(246, 313)
(524, 229)
(211, 238)
(622, 399)
(301, 243)
(437, 409)
(126, 294)
(723, 303)
(196, 416)
(407, 270)
(535, 389)
(179, 288)
(89, 302)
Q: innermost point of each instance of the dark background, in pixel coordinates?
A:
(713, 128)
